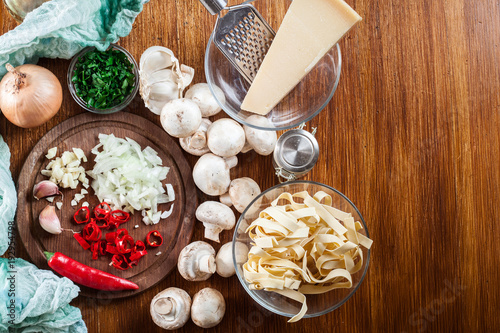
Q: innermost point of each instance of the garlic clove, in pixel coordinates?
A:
(156, 58)
(44, 189)
(49, 221)
(161, 76)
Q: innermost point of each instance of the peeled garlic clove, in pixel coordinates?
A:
(44, 189)
(49, 221)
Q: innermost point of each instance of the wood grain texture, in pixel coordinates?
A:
(411, 137)
(83, 131)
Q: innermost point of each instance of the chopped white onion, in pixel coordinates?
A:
(129, 178)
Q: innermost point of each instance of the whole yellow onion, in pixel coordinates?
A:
(29, 95)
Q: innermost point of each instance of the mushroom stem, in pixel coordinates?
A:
(163, 306)
(231, 161)
(207, 264)
(226, 199)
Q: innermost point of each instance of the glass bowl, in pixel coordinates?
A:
(116, 108)
(303, 103)
(317, 304)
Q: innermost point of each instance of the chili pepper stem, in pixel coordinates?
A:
(48, 255)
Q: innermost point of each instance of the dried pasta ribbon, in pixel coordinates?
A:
(302, 245)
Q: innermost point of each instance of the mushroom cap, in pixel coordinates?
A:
(170, 309)
(180, 118)
(242, 191)
(200, 94)
(208, 308)
(225, 137)
(211, 174)
(197, 261)
(263, 142)
(196, 144)
(215, 217)
(224, 259)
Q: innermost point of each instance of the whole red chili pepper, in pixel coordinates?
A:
(82, 215)
(157, 238)
(85, 275)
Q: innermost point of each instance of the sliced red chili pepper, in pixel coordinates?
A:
(102, 224)
(118, 217)
(94, 247)
(91, 232)
(82, 215)
(82, 241)
(154, 238)
(125, 244)
(111, 236)
(120, 262)
(138, 252)
(101, 212)
(98, 249)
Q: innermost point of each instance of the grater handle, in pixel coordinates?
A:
(214, 6)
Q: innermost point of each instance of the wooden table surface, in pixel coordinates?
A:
(411, 137)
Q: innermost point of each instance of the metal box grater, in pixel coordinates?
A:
(242, 35)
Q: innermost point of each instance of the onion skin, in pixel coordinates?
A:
(30, 95)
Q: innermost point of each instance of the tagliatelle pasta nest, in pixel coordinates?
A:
(302, 248)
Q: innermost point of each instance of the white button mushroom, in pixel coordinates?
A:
(211, 173)
(224, 260)
(263, 142)
(215, 218)
(200, 94)
(208, 308)
(170, 309)
(196, 144)
(241, 192)
(225, 137)
(180, 118)
(197, 261)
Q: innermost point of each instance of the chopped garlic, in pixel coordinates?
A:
(80, 154)
(136, 226)
(66, 170)
(157, 254)
(51, 153)
(50, 199)
(59, 205)
(74, 203)
(84, 191)
(85, 204)
(79, 197)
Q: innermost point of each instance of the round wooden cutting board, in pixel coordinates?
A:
(82, 132)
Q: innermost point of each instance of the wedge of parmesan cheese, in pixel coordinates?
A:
(308, 31)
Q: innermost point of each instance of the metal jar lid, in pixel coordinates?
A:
(296, 151)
